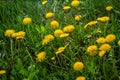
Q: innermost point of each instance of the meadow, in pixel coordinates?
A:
(59, 40)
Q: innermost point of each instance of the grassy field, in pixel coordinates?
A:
(59, 40)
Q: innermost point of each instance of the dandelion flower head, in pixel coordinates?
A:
(78, 66)
(9, 32)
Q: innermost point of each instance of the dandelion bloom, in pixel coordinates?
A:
(103, 19)
(78, 66)
(54, 24)
(68, 28)
(44, 2)
(110, 37)
(92, 50)
(19, 35)
(53, 58)
(105, 47)
(80, 78)
(90, 24)
(66, 7)
(99, 31)
(102, 53)
(109, 8)
(89, 36)
(119, 42)
(63, 35)
(41, 56)
(49, 15)
(2, 72)
(9, 32)
(75, 3)
(78, 17)
(61, 49)
(27, 20)
(101, 40)
(47, 39)
(50, 37)
(58, 32)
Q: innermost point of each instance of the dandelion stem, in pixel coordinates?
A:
(11, 47)
(30, 55)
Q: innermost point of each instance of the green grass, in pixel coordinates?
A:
(18, 57)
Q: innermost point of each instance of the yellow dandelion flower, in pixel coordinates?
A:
(14, 35)
(53, 58)
(99, 31)
(92, 50)
(63, 35)
(109, 8)
(20, 35)
(47, 39)
(75, 3)
(103, 19)
(110, 37)
(44, 2)
(101, 40)
(41, 56)
(49, 15)
(9, 32)
(105, 47)
(61, 49)
(54, 24)
(119, 42)
(66, 7)
(2, 72)
(80, 78)
(89, 36)
(58, 32)
(78, 66)
(27, 20)
(102, 53)
(78, 17)
(90, 24)
(68, 28)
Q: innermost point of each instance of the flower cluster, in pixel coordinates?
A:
(13, 34)
(105, 46)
